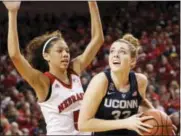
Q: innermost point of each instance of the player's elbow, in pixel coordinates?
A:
(101, 40)
(82, 126)
(98, 39)
(14, 55)
(14, 58)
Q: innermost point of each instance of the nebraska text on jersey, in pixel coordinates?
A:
(72, 99)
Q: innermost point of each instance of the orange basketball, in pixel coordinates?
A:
(162, 124)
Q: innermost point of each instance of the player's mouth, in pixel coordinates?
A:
(65, 61)
(116, 62)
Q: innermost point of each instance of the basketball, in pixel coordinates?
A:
(161, 122)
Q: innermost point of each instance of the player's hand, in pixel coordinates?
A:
(135, 123)
(12, 5)
(92, 3)
(174, 130)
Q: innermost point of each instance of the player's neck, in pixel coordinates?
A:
(60, 74)
(120, 79)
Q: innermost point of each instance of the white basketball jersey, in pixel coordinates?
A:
(61, 110)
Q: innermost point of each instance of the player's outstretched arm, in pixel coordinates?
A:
(94, 94)
(31, 75)
(97, 39)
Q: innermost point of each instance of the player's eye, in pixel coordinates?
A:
(111, 51)
(59, 51)
(67, 50)
(122, 51)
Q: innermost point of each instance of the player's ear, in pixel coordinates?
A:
(46, 56)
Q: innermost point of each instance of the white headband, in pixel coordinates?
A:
(47, 42)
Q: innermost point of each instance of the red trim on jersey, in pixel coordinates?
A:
(76, 116)
(53, 77)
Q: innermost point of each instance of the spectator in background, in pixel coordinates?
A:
(165, 70)
(5, 125)
(172, 88)
(12, 112)
(173, 105)
(157, 105)
(14, 130)
(152, 91)
(151, 74)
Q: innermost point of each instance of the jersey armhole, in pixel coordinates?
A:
(51, 78)
(49, 93)
(137, 87)
(108, 82)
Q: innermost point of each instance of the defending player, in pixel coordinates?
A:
(59, 89)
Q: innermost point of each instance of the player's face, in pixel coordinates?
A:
(59, 55)
(119, 56)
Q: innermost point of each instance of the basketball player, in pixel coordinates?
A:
(112, 99)
(57, 87)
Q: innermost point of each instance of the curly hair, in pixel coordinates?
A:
(133, 43)
(34, 50)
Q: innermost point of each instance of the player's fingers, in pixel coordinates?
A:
(143, 128)
(138, 115)
(146, 118)
(146, 125)
(138, 132)
(173, 133)
(174, 127)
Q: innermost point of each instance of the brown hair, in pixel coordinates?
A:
(35, 47)
(133, 44)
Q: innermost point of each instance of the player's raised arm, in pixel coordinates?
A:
(97, 39)
(31, 75)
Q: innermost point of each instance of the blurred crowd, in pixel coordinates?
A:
(157, 28)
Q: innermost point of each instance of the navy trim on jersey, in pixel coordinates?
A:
(133, 83)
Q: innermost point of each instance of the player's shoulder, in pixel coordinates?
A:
(141, 79)
(99, 82)
(100, 77)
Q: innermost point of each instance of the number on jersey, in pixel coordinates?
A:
(117, 114)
